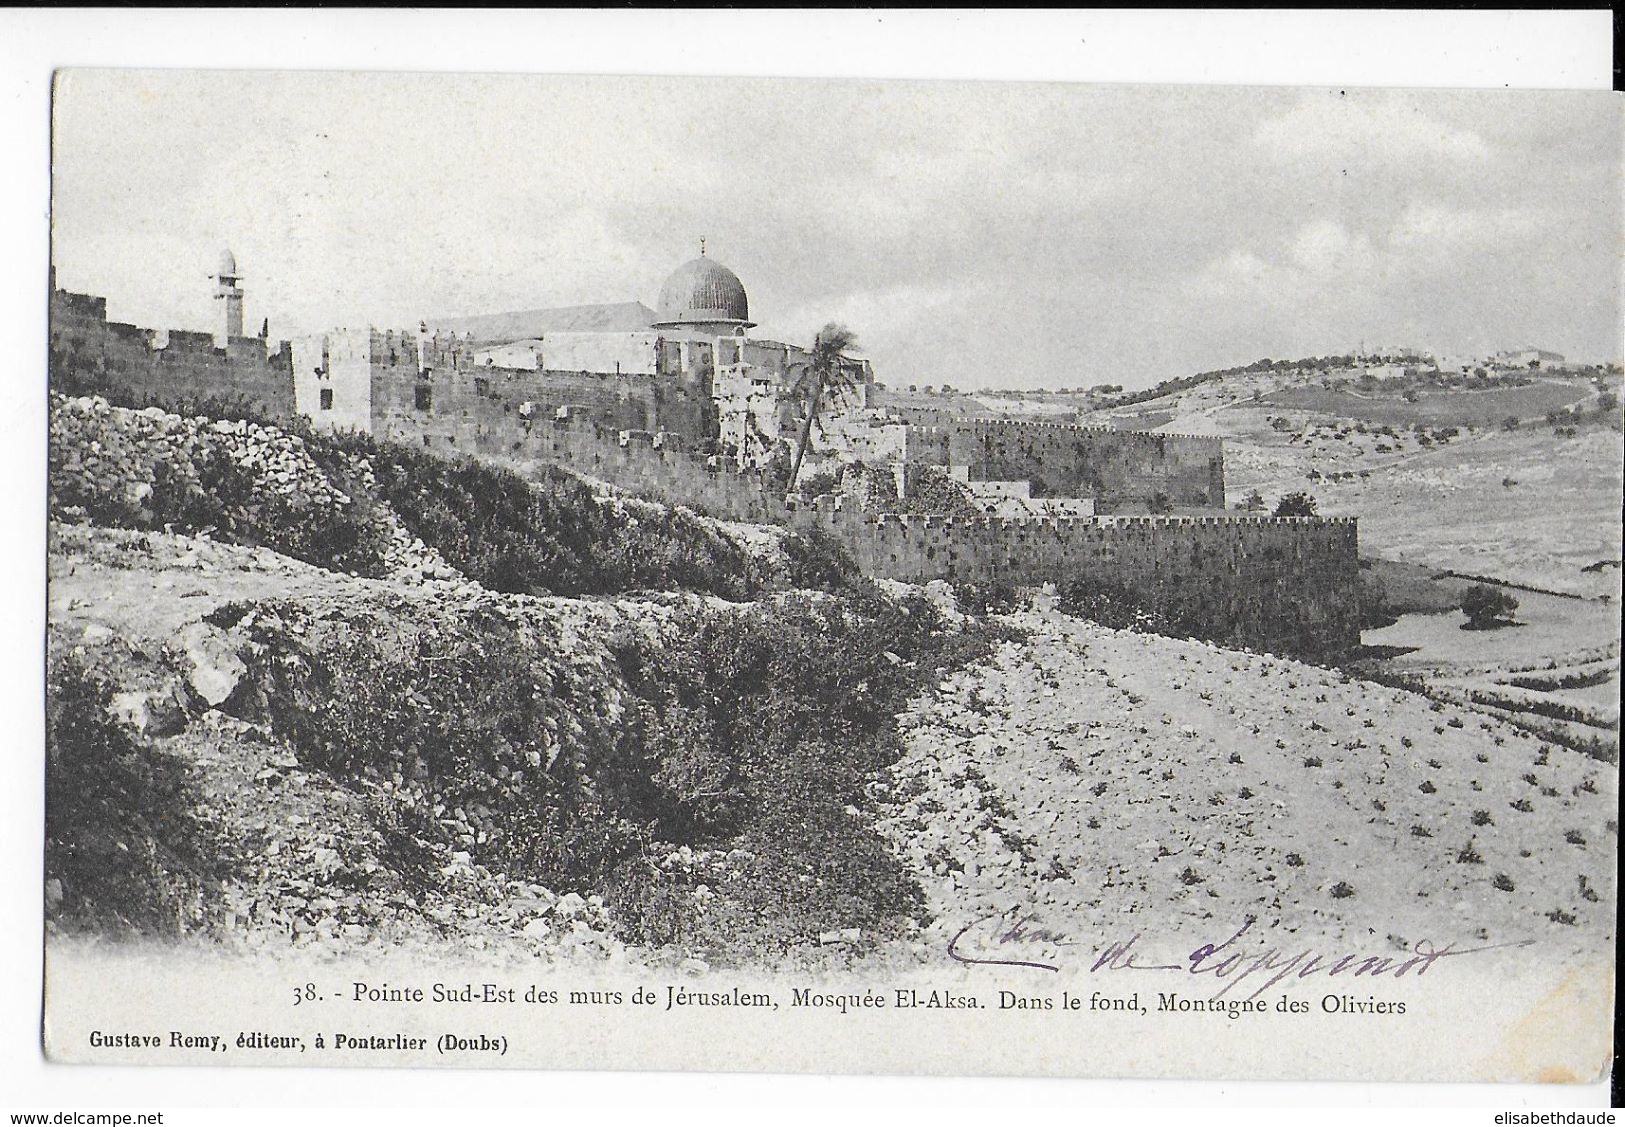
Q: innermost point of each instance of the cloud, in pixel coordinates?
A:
(897, 309)
(1325, 249)
(1436, 228)
(1366, 125)
(969, 233)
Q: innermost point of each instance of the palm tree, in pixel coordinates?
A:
(828, 369)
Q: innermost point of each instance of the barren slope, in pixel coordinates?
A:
(1118, 780)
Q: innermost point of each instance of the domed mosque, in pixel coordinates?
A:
(694, 349)
(706, 296)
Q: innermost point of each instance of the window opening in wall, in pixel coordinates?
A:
(482, 387)
(424, 399)
(426, 440)
(327, 399)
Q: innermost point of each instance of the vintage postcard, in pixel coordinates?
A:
(841, 576)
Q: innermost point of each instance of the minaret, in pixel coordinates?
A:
(227, 289)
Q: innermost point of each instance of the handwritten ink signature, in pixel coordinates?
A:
(1226, 962)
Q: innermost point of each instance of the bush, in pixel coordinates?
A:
(471, 709)
(1111, 604)
(983, 599)
(1374, 612)
(1295, 505)
(759, 729)
(102, 459)
(752, 731)
(819, 562)
(123, 840)
(1487, 607)
(546, 533)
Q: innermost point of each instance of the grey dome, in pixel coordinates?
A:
(703, 291)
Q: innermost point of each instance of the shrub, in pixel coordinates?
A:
(1113, 604)
(759, 728)
(1487, 607)
(1374, 612)
(123, 839)
(983, 599)
(468, 708)
(548, 533)
(819, 562)
(1295, 505)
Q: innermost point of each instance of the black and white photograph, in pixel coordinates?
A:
(833, 575)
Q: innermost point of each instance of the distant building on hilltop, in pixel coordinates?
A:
(1528, 357)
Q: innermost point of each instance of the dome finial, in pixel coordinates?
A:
(702, 246)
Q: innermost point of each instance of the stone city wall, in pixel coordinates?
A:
(429, 390)
(1287, 584)
(90, 354)
(1119, 469)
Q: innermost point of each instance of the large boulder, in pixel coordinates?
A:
(210, 661)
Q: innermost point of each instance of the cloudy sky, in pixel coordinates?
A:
(980, 235)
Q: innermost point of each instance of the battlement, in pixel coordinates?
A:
(1105, 524)
(1118, 469)
(90, 353)
(1284, 583)
(185, 340)
(84, 305)
(1019, 426)
(132, 333)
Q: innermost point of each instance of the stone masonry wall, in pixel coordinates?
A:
(1289, 584)
(1272, 583)
(1119, 469)
(89, 353)
(429, 389)
(1284, 584)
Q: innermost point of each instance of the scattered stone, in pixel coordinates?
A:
(152, 713)
(213, 668)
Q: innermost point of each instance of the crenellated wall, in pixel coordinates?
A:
(1287, 584)
(1119, 469)
(90, 353)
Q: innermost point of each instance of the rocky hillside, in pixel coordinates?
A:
(331, 694)
(317, 690)
(1102, 777)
